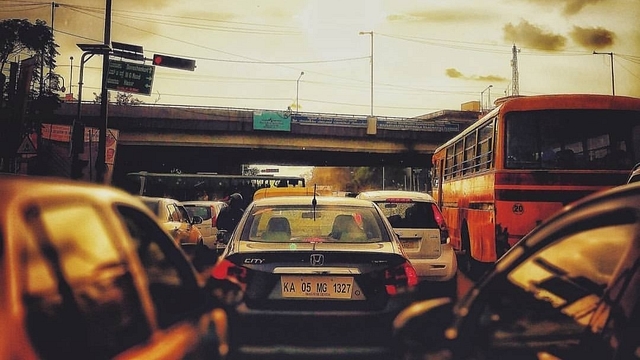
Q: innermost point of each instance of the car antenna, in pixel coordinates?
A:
(314, 202)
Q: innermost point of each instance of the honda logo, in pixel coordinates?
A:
(317, 259)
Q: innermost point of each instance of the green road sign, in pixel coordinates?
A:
(130, 77)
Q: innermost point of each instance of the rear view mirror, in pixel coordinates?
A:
(420, 328)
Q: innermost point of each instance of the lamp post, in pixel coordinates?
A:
(613, 85)
(482, 97)
(298, 91)
(370, 33)
(77, 129)
(71, 77)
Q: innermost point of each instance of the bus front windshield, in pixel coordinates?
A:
(572, 139)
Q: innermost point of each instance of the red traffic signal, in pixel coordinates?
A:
(174, 62)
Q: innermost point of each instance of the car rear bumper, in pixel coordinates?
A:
(443, 268)
(267, 334)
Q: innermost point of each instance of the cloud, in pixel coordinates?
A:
(592, 38)
(439, 16)
(456, 74)
(453, 73)
(570, 7)
(529, 35)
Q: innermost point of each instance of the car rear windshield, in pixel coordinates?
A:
(293, 224)
(412, 215)
(199, 210)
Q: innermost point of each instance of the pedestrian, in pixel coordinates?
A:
(230, 215)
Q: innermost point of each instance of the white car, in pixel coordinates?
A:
(419, 224)
(208, 210)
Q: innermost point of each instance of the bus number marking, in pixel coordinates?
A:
(518, 209)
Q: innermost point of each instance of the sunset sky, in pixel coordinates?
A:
(428, 55)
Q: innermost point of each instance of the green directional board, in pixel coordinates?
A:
(130, 77)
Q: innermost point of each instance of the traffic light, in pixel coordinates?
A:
(174, 62)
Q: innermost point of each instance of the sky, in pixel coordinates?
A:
(428, 55)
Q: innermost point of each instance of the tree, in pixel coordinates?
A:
(19, 37)
(121, 99)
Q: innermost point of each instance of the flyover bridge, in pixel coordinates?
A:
(161, 138)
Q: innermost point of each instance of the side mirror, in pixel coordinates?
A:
(223, 236)
(420, 328)
(196, 220)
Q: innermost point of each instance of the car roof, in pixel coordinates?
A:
(20, 189)
(307, 200)
(203, 202)
(150, 199)
(381, 195)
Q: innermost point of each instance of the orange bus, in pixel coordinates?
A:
(526, 159)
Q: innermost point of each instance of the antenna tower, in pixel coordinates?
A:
(515, 81)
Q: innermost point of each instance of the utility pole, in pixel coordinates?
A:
(370, 33)
(613, 84)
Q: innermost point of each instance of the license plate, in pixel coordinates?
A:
(410, 244)
(317, 287)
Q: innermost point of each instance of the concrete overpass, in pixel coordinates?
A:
(161, 138)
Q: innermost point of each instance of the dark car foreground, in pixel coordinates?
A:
(567, 290)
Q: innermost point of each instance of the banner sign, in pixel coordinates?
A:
(382, 123)
(271, 120)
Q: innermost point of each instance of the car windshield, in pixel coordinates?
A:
(405, 214)
(299, 223)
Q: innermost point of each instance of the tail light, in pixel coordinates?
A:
(214, 217)
(226, 270)
(400, 277)
(444, 230)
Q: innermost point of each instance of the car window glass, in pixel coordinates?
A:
(184, 215)
(174, 213)
(550, 297)
(79, 291)
(170, 276)
(300, 224)
(196, 210)
(413, 215)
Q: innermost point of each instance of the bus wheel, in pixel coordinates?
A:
(464, 258)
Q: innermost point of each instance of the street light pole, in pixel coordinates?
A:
(370, 33)
(613, 86)
(298, 91)
(482, 98)
(71, 77)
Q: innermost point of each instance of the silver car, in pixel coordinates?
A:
(417, 220)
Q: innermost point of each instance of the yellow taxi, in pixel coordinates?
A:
(283, 191)
(87, 272)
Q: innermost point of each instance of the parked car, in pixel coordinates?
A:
(87, 272)
(424, 235)
(317, 276)
(569, 289)
(208, 211)
(175, 218)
